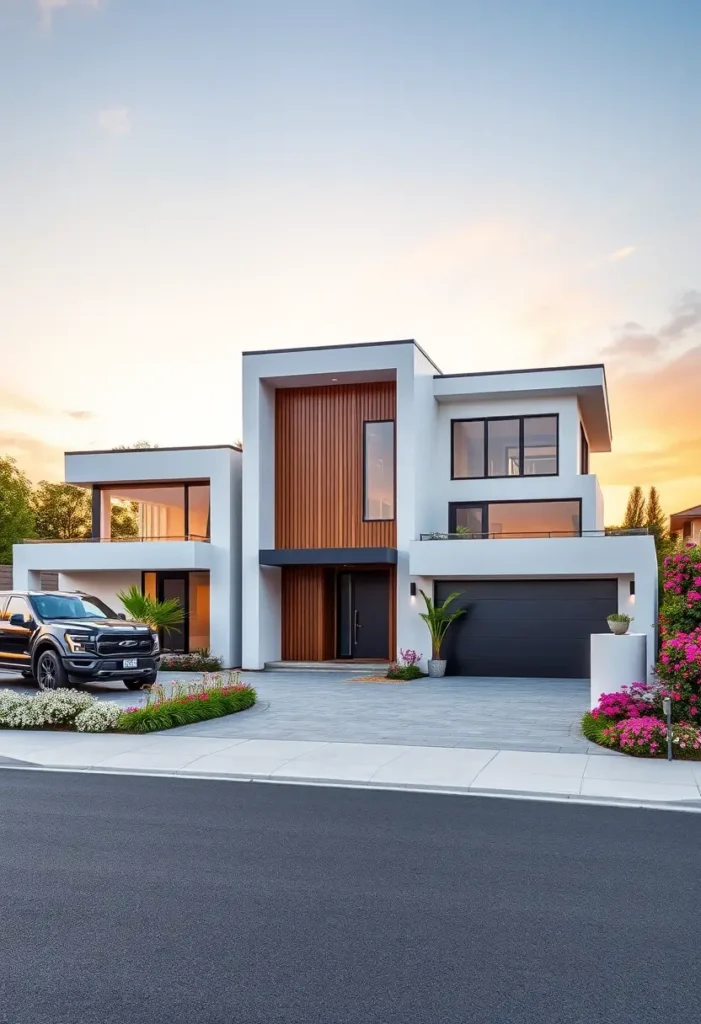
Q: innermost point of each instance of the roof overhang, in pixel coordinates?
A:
(586, 383)
(328, 556)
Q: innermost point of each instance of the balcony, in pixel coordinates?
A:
(542, 554)
(92, 554)
(539, 534)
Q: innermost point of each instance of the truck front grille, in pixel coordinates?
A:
(123, 645)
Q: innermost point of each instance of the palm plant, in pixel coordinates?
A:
(438, 618)
(164, 615)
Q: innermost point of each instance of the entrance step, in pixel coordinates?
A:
(347, 667)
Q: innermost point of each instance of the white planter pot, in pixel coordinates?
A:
(619, 628)
(436, 667)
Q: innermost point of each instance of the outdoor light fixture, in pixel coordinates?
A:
(667, 709)
(632, 588)
(412, 589)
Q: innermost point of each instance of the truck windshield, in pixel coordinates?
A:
(70, 606)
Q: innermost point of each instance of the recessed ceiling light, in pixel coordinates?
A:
(334, 379)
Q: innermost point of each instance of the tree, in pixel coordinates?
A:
(634, 518)
(16, 515)
(655, 519)
(62, 512)
(133, 447)
(124, 519)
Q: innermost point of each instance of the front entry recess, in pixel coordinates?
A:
(363, 615)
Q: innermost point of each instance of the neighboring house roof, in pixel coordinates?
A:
(695, 511)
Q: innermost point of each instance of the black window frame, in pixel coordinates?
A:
(493, 419)
(583, 452)
(454, 506)
(365, 518)
(185, 484)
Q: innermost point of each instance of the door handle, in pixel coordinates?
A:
(356, 626)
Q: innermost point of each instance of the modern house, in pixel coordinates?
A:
(369, 476)
(687, 524)
(186, 502)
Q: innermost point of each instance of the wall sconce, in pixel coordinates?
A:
(632, 588)
(412, 590)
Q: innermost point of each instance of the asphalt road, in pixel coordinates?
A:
(160, 901)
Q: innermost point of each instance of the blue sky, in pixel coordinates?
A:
(511, 183)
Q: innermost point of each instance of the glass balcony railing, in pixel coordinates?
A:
(113, 540)
(535, 535)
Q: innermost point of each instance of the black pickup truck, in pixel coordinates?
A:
(60, 639)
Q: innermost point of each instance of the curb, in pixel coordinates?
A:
(505, 794)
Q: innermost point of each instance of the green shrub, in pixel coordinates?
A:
(201, 660)
(211, 697)
(593, 728)
(619, 617)
(404, 672)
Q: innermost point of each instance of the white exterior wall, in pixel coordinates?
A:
(221, 555)
(105, 585)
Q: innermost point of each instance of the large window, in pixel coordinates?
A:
(504, 519)
(378, 470)
(505, 446)
(154, 511)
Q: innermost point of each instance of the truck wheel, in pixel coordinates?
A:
(136, 684)
(51, 675)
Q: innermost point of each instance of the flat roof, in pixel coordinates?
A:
(354, 344)
(527, 369)
(173, 448)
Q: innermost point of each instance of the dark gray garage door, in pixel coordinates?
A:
(525, 627)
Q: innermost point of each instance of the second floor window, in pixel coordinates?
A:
(158, 511)
(378, 469)
(505, 446)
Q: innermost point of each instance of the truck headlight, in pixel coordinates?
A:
(80, 643)
(156, 643)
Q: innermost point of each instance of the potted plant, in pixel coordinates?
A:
(438, 618)
(619, 623)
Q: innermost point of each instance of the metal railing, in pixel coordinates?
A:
(111, 540)
(534, 535)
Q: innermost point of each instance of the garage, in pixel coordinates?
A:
(525, 627)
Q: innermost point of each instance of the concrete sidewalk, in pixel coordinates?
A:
(584, 777)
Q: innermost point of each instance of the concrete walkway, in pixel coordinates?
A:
(538, 775)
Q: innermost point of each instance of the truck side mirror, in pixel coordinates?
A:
(121, 615)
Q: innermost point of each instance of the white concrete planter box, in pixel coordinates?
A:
(616, 661)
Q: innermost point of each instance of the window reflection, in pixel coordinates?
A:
(379, 470)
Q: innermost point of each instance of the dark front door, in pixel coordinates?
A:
(170, 585)
(363, 604)
(525, 627)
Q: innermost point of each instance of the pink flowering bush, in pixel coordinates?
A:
(641, 737)
(681, 609)
(629, 702)
(686, 740)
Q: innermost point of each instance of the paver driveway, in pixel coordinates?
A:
(518, 714)
(521, 714)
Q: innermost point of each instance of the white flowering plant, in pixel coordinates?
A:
(72, 709)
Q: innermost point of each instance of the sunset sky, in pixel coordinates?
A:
(512, 183)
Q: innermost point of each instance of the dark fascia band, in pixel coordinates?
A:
(329, 556)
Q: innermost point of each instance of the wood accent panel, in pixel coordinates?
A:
(319, 465)
(308, 613)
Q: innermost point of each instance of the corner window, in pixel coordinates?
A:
(157, 511)
(378, 470)
(583, 452)
(505, 446)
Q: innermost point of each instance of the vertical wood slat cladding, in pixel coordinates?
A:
(308, 613)
(319, 465)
